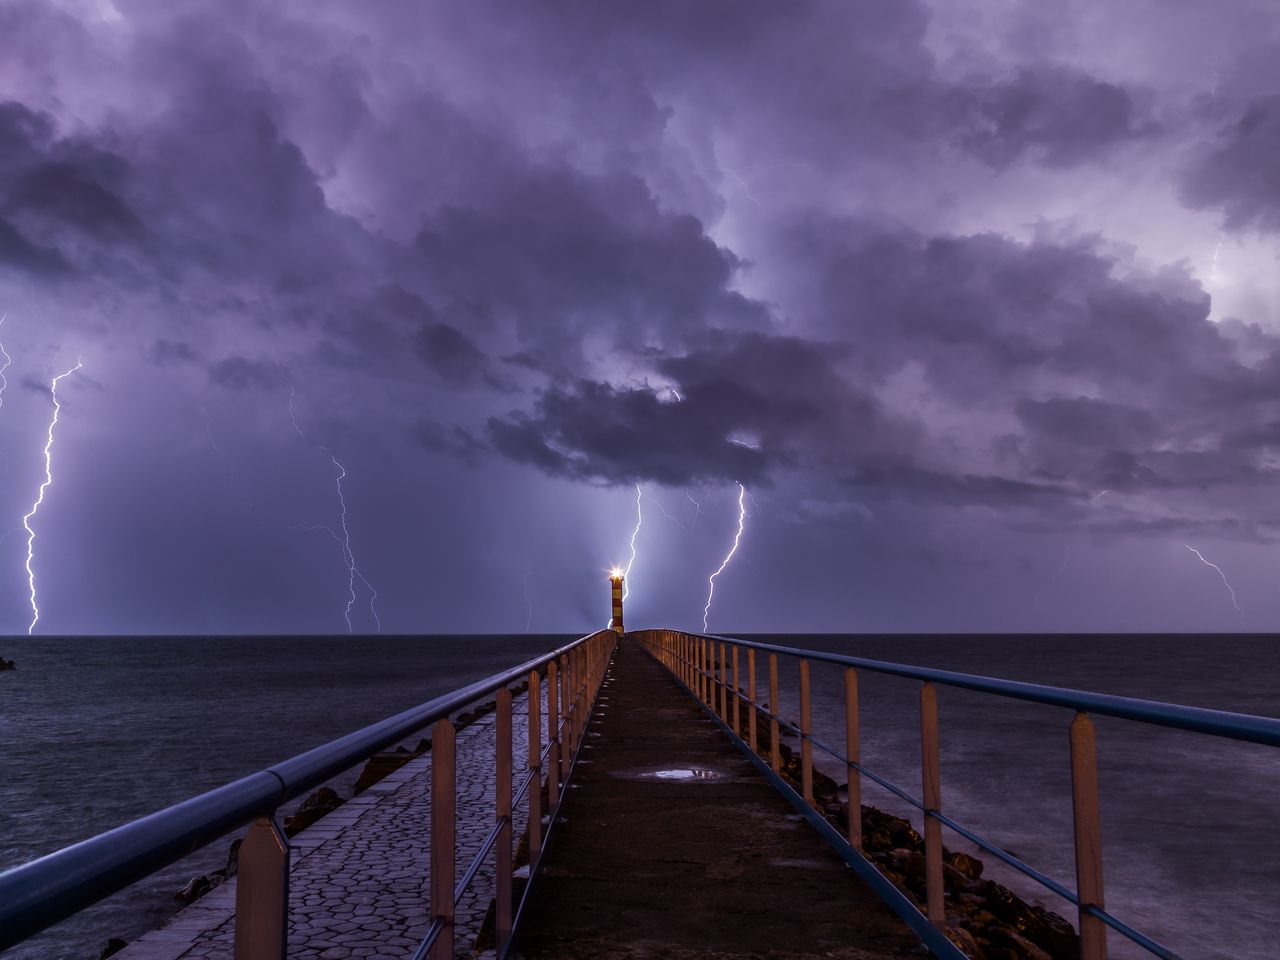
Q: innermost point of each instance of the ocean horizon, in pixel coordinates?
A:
(97, 731)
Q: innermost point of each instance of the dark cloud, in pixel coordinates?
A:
(243, 373)
(1058, 115)
(901, 482)
(17, 252)
(748, 405)
(565, 257)
(1238, 172)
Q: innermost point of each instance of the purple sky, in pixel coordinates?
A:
(980, 302)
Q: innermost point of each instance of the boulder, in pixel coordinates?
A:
(113, 946)
(320, 803)
(7, 665)
(196, 888)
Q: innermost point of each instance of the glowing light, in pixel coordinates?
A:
(1225, 583)
(35, 507)
(615, 574)
(711, 581)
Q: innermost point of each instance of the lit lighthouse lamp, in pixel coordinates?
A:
(615, 580)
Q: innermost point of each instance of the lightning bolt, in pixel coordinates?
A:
(344, 541)
(1207, 563)
(665, 513)
(4, 381)
(746, 189)
(35, 507)
(626, 574)
(742, 522)
(1098, 496)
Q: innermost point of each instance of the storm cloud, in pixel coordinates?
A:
(917, 279)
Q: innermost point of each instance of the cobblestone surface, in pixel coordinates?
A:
(359, 878)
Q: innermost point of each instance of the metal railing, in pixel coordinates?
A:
(708, 667)
(36, 895)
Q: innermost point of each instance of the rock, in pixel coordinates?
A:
(378, 766)
(965, 940)
(196, 888)
(323, 801)
(114, 946)
(233, 859)
(969, 866)
(7, 665)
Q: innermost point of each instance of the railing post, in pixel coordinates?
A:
(751, 695)
(443, 801)
(737, 702)
(724, 684)
(706, 672)
(502, 813)
(535, 766)
(262, 893)
(806, 730)
(553, 737)
(775, 754)
(566, 748)
(853, 750)
(1088, 836)
(931, 776)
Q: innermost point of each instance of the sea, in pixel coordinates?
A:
(97, 731)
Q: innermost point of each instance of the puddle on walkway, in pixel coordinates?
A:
(680, 774)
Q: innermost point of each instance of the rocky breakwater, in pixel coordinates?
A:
(984, 919)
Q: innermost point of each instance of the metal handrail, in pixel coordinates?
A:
(1218, 723)
(40, 893)
(693, 660)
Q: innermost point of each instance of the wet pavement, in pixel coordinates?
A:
(673, 846)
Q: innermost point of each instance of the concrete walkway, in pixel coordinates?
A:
(673, 846)
(359, 878)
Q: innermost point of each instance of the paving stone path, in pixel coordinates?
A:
(359, 878)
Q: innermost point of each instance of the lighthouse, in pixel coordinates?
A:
(615, 581)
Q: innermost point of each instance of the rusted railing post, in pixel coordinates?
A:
(775, 754)
(751, 695)
(262, 893)
(502, 813)
(931, 777)
(566, 748)
(1088, 836)
(553, 737)
(443, 800)
(724, 683)
(737, 702)
(806, 731)
(853, 750)
(535, 765)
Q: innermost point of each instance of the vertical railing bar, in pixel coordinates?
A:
(751, 695)
(853, 753)
(443, 834)
(535, 765)
(262, 893)
(1087, 822)
(566, 748)
(502, 813)
(737, 724)
(553, 737)
(806, 730)
(775, 753)
(931, 777)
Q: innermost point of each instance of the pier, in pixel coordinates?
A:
(627, 795)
